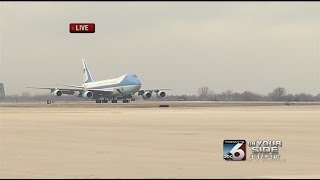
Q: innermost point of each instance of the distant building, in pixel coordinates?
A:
(2, 92)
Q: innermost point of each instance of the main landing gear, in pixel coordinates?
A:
(113, 100)
(125, 101)
(102, 101)
(98, 101)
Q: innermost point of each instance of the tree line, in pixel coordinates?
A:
(277, 94)
(203, 94)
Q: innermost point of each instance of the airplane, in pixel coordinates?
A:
(123, 87)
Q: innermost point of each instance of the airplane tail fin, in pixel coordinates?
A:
(86, 73)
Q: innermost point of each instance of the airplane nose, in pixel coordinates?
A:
(132, 80)
(138, 82)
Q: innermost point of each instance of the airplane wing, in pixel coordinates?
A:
(71, 91)
(54, 88)
(107, 91)
(155, 90)
(69, 85)
(98, 91)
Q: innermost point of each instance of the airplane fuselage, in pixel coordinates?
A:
(122, 86)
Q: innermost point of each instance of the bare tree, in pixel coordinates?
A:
(248, 96)
(203, 91)
(279, 91)
(278, 94)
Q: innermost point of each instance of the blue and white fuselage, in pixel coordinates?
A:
(122, 86)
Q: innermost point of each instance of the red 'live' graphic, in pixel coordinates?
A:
(82, 28)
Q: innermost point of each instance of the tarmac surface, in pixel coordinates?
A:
(141, 140)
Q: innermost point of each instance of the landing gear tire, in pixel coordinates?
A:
(133, 99)
(114, 101)
(98, 101)
(125, 101)
(105, 101)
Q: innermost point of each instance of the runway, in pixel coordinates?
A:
(54, 141)
(150, 104)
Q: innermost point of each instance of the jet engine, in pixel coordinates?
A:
(87, 94)
(161, 94)
(146, 95)
(56, 93)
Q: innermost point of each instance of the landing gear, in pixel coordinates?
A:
(102, 101)
(125, 101)
(132, 97)
(113, 100)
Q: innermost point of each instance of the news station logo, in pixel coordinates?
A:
(234, 150)
(82, 28)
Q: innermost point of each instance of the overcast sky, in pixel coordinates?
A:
(240, 46)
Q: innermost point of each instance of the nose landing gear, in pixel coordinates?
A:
(132, 97)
